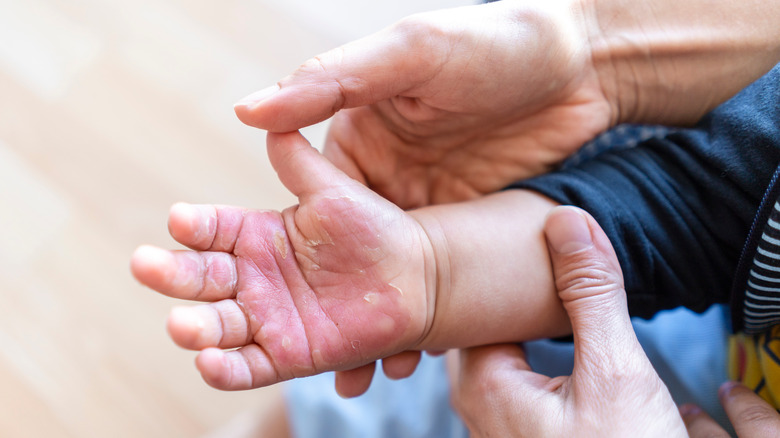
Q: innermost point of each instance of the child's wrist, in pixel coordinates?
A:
(436, 259)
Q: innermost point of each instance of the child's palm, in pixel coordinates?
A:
(333, 283)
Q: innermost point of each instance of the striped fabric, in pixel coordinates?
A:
(762, 292)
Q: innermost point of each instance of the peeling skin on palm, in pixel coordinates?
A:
(400, 292)
(298, 292)
(280, 243)
(288, 336)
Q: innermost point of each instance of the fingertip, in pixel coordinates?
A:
(727, 389)
(302, 168)
(249, 109)
(281, 148)
(355, 382)
(567, 230)
(184, 326)
(401, 365)
(284, 110)
(698, 423)
(213, 369)
(689, 410)
(291, 138)
(148, 265)
(182, 221)
(251, 101)
(494, 359)
(192, 225)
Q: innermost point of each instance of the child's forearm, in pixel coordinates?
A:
(495, 282)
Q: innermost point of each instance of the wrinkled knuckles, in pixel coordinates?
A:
(583, 278)
(758, 415)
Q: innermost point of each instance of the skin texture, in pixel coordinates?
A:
(450, 105)
(442, 107)
(327, 284)
(345, 278)
(453, 104)
(613, 389)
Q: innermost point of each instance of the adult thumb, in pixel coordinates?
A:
(363, 72)
(590, 285)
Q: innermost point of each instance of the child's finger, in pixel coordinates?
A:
(246, 368)
(206, 227)
(401, 365)
(189, 275)
(222, 324)
(355, 382)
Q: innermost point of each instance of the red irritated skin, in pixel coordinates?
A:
(330, 284)
(345, 278)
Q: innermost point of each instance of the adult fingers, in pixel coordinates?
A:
(362, 72)
(590, 284)
(750, 415)
(699, 424)
(495, 392)
(479, 373)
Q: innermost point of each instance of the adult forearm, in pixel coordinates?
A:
(670, 62)
(495, 282)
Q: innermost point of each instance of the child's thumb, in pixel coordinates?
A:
(302, 168)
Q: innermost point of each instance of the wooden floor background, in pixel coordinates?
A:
(110, 111)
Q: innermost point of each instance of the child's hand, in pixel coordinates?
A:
(449, 105)
(334, 283)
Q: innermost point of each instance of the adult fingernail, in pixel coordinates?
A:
(689, 409)
(726, 388)
(258, 96)
(567, 231)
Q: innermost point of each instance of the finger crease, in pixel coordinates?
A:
(214, 234)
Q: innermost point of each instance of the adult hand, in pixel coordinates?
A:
(613, 389)
(750, 415)
(448, 105)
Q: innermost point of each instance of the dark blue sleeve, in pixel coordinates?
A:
(678, 209)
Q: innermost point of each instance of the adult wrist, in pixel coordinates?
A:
(670, 63)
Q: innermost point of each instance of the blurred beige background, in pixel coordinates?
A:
(110, 111)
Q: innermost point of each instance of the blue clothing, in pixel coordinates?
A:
(688, 351)
(679, 208)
